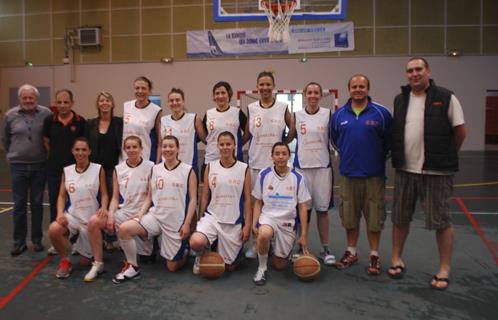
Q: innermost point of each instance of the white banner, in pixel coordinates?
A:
(253, 41)
(321, 38)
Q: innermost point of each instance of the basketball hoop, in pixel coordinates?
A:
(279, 13)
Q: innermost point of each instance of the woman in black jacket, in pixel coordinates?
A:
(105, 135)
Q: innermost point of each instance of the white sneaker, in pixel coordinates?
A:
(251, 253)
(51, 251)
(196, 269)
(128, 272)
(95, 271)
(327, 258)
(260, 277)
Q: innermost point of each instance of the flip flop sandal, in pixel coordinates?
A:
(398, 275)
(437, 279)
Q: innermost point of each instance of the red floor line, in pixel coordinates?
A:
(5, 300)
(478, 229)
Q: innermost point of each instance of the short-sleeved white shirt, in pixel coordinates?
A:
(414, 131)
(280, 195)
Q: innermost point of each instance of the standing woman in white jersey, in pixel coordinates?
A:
(80, 184)
(142, 118)
(313, 160)
(267, 120)
(225, 205)
(185, 126)
(130, 183)
(223, 118)
(173, 191)
(281, 197)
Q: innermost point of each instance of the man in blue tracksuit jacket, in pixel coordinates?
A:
(361, 132)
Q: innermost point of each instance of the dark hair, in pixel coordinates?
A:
(420, 58)
(312, 84)
(278, 144)
(81, 139)
(106, 95)
(177, 90)
(137, 139)
(359, 75)
(69, 93)
(170, 137)
(226, 134)
(144, 79)
(266, 74)
(225, 85)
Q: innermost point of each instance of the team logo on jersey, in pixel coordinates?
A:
(344, 122)
(270, 187)
(371, 122)
(73, 128)
(437, 104)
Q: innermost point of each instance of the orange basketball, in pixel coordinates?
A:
(211, 265)
(307, 268)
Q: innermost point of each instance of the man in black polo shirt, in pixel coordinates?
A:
(59, 132)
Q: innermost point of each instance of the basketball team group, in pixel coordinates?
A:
(136, 178)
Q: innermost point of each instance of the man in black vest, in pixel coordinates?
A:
(428, 130)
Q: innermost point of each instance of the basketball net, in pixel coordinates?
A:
(279, 13)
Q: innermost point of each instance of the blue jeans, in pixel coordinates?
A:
(27, 178)
(53, 185)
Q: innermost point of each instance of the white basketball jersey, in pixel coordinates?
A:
(184, 130)
(280, 195)
(170, 194)
(140, 123)
(133, 184)
(267, 126)
(218, 122)
(226, 185)
(82, 189)
(312, 147)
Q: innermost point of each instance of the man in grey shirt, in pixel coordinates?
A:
(21, 136)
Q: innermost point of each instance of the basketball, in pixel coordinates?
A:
(307, 268)
(211, 265)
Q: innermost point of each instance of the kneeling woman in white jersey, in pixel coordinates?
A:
(80, 183)
(173, 190)
(225, 205)
(278, 191)
(130, 184)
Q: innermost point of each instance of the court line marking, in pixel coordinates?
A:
(3, 210)
(489, 244)
(5, 300)
(11, 203)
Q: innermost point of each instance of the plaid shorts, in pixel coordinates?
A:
(434, 192)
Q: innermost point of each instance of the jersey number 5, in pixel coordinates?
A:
(303, 128)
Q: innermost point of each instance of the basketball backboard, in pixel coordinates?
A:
(243, 10)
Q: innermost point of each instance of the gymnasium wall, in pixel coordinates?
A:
(146, 30)
(468, 77)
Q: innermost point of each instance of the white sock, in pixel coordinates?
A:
(352, 250)
(130, 249)
(263, 261)
(374, 253)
